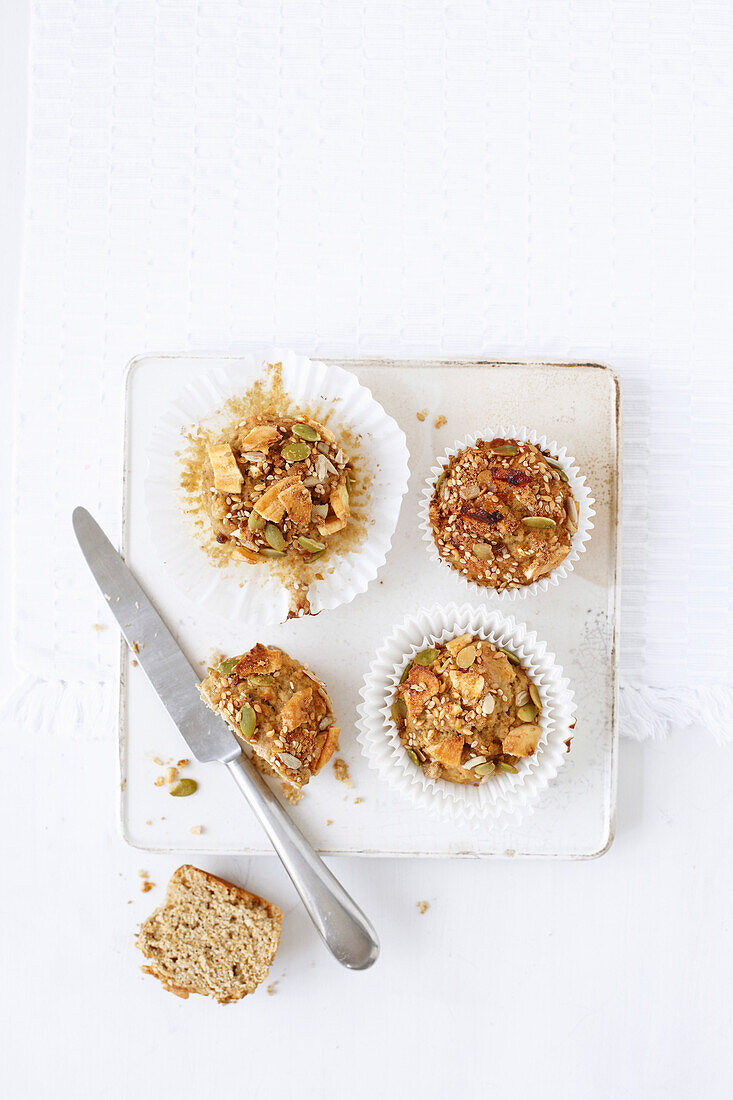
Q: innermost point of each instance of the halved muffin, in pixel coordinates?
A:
(465, 710)
(275, 485)
(210, 937)
(277, 708)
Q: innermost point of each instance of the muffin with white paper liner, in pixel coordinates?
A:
(504, 796)
(507, 511)
(203, 552)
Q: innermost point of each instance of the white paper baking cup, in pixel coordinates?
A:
(504, 797)
(577, 483)
(235, 590)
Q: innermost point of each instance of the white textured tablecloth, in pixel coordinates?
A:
(504, 179)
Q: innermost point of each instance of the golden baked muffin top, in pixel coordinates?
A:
(503, 514)
(275, 485)
(278, 708)
(466, 710)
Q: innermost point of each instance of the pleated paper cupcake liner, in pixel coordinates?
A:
(576, 481)
(504, 797)
(182, 536)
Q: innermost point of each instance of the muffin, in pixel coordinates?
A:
(502, 513)
(210, 937)
(466, 710)
(276, 707)
(277, 485)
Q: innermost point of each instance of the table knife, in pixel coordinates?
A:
(341, 924)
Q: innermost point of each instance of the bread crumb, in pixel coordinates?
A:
(171, 775)
(440, 421)
(148, 822)
(145, 883)
(98, 626)
(143, 874)
(272, 987)
(134, 647)
(567, 744)
(197, 830)
(134, 663)
(357, 801)
(423, 906)
(329, 821)
(341, 771)
(159, 780)
(422, 414)
(184, 763)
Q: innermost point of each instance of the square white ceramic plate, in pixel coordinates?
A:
(575, 404)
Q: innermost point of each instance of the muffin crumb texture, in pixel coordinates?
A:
(210, 937)
(466, 711)
(503, 514)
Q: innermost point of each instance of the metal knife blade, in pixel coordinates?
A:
(157, 651)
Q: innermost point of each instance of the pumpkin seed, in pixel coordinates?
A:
(274, 537)
(539, 523)
(572, 510)
(406, 672)
(466, 657)
(290, 761)
(483, 551)
(261, 680)
(347, 482)
(247, 721)
(441, 478)
(399, 710)
(413, 756)
(320, 510)
(226, 667)
(527, 713)
(306, 432)
(256, 522)
(426, 657)
(183, 788)
(295, 452)
(484, 769)
(316, 554)
(504, 767)
(535, 696)
(511, 657)
(268, 552)
(563, 476)
(507, 449)
(310, 545)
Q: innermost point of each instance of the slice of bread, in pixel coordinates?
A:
(210, 937)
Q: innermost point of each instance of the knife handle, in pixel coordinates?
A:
(338, 919)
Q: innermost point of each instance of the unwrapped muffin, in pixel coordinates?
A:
(502, 513)
(275, 485)
(275, 706)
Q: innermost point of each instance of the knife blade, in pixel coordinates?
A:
(155, 648)
(339, 921)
